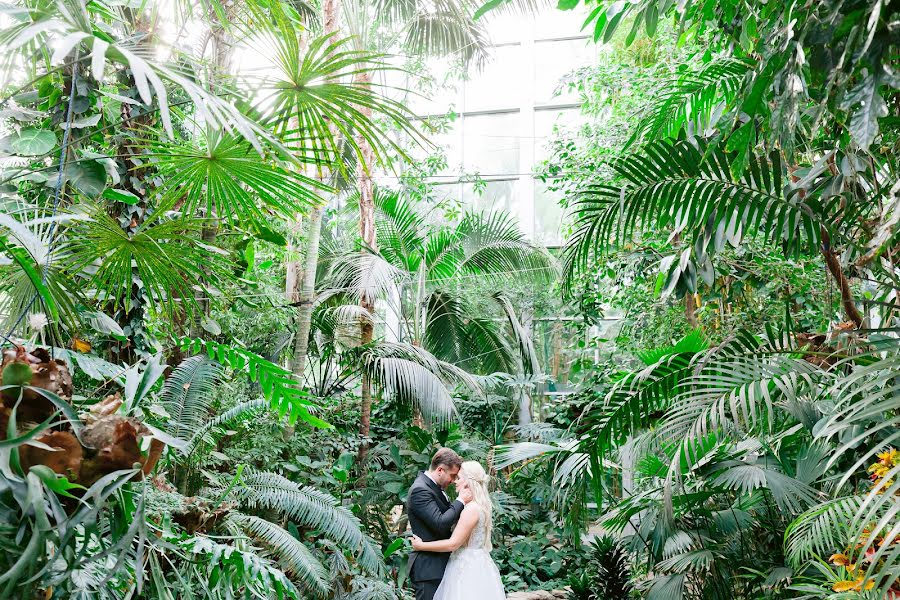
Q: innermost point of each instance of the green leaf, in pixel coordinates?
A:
(871, 107)
(486, 7)
(22, 258)
(87, 176)
(34, 142)
(117, 195)
(651, 16)
(567, 4)
(211, 326)
(54, 482)
(393, 547)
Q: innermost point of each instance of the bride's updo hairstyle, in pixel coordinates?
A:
(478, 482)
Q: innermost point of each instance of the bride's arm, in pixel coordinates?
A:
(467, 522)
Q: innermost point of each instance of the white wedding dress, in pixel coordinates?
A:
(471, 573)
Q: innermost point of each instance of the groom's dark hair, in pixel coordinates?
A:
(447, 458)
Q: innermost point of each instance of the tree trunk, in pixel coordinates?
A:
(834, 267)
(369, 239)
(314, 231)
(690, 310)
(307, 292)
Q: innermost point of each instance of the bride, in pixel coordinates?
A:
(471, 573)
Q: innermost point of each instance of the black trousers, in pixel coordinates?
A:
(425, 589)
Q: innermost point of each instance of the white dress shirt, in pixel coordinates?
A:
(428, 475)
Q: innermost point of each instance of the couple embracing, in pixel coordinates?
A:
(452, 540)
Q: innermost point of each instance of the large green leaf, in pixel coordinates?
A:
(34, 142)
(87, 176)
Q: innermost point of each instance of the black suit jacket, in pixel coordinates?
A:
(431, 517)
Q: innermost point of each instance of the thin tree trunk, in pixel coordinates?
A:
(690, 310)
(307, 292)
(314, 231)
(834, 267)
(833, 263)
(368, 236)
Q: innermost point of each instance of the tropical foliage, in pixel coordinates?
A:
(228, 347)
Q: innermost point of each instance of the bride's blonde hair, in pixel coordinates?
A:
(478, 482)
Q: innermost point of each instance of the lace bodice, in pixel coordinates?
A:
(477, 537)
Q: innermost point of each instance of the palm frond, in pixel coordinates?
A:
(693, 97)
(163, 254)
(413, 382)
(313, 509)
(225, 176)
(293, 555)
(361, 275)
(475, 344)
(696, 561)
(691, 189)
(495, 244)
(447, 31)
(318, 100)
(416, 375)
(399, 230)
(791, 496)
(187, 394)
(530, 362)
(738, 392)
(822, 530)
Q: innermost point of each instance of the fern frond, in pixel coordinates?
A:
(311, 508)
(278, 384)
(294, 556)
(187, 394)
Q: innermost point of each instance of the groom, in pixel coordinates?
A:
(431, 517)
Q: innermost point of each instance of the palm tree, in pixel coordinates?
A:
(418, 271)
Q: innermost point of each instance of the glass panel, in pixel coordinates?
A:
(504, 27)
(447, 196)
(491, 144)
(554, 23)
(447, 145)
(548, 215)
(552, 61)
(437, 93)
(490, 196)
(500, 84)
(565, 123)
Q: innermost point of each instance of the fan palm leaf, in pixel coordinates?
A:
(223, 175)
(318, 102)
(31, 269)
(163, 254)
